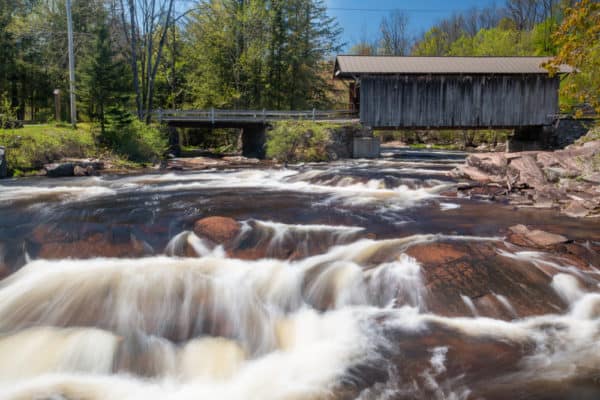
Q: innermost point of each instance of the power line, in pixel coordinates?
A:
(408, 10)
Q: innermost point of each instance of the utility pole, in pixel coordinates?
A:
(71, 66)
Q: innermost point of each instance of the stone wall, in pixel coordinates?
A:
(341, 140)
(569, 130)
(553, 137)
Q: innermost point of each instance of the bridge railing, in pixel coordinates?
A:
(215, 115)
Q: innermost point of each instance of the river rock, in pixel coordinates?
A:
(220, 230)
(59, 170)
(576, 209)
(53, 243)
(566, 179)
(455, 271)
(3, 164)
(522, 235)
(490, 163)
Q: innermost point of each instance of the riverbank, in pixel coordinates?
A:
(567, 180)
(60, 150)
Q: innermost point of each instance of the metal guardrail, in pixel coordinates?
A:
(214, 115)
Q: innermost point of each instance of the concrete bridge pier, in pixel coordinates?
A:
(174, 147)
(254, 139)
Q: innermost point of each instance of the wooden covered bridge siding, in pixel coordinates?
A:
(451, 92)
(458, 101)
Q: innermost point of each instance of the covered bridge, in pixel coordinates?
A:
(450, 92)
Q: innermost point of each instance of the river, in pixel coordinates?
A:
(357, 279)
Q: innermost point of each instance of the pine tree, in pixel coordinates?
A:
(102, 78)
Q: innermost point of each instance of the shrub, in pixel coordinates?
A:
(290, 141)
(129, 137)
(8, 114)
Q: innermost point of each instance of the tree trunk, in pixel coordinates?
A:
(134, 68)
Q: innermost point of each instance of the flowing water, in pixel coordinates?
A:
(108, 293)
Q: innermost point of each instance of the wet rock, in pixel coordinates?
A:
(59, 170)
(50, 234)
(240, 160)
(220, 230)
(476, 175)
(522, 235)
(83, 171)
(50, 242)
(435, 253)
(527, 171)
(96, 245)
(3, 164)
(540, 179)
(454, 271)
(490, 163)
(576, 209)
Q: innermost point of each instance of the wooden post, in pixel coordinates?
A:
(313, 114)
(212, 115)
(57, 105)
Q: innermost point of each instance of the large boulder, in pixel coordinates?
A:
(59, 170)
(526, 172)
(3, 164)
(219, 230)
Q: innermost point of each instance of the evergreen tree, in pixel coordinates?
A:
(102, 78)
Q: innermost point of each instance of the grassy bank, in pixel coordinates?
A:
(30, 147)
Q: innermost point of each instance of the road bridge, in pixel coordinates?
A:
(252, 123)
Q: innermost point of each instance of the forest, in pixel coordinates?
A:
(135, 56)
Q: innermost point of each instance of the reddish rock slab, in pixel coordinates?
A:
(523, 236)
(435, 252)
(96, 245)
(220, 230)
(454, 271)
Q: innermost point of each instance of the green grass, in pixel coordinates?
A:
(30, 147)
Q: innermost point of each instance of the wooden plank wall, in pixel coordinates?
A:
(452, 101)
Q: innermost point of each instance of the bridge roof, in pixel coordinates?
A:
(351, 66)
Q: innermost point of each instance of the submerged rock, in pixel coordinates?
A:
(49, 242)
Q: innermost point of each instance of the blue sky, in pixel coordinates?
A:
(363, 19)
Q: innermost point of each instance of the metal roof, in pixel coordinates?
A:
(350, 66)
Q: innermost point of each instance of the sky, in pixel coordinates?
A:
(361, 18)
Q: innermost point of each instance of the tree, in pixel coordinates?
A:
(394, 36)
(260, 54)
(145, 25)
(579, 47)
(102, 78)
